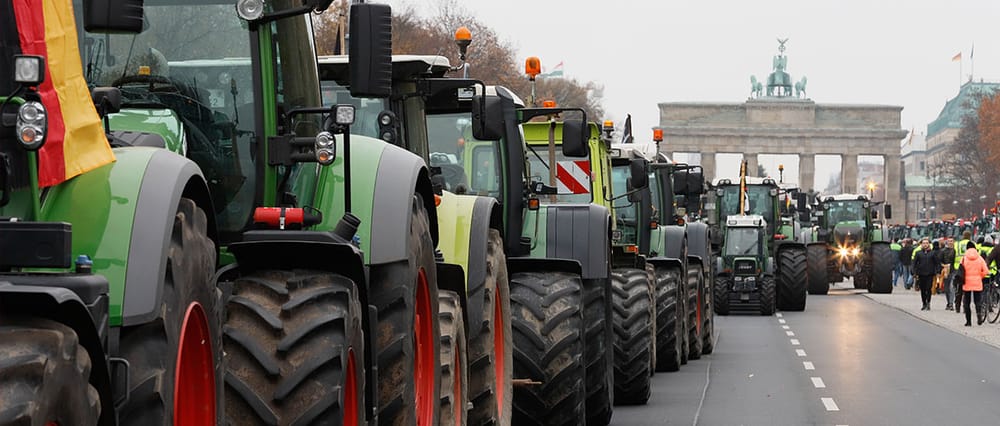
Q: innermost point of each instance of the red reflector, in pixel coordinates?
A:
(631, 249)
(779, 236)
(653, 225)
(533, 204)
(279, 217)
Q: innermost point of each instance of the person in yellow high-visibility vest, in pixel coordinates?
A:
(960, 246)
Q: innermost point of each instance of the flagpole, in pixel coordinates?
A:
(972, 59)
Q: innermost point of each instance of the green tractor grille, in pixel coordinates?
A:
(744, 267)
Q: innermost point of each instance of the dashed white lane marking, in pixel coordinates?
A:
(785, 327)
(778, 315)
(818, 382)
(830, 404)
(800, 352)
(790, 333)
(781, 321)
(808, 365)
(795, 341)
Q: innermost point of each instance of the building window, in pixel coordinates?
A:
(921, 165)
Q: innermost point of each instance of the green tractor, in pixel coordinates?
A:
(745, 268)
(108, 309)
(847, 241)
(327, 270)
(764, 198)
(472, 265)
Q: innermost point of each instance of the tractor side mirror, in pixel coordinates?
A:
(487, 118)
(695, 183)
(633, 196)
(575, 138)
(681, 181)
(113, 16)
(888, 211)
(640, 173)
(370, 50)
(874, 214)
(801, 201)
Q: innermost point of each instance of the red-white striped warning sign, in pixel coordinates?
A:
(573, 177)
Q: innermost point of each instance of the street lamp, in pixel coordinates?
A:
(871, 190)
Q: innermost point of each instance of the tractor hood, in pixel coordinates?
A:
(848, 233)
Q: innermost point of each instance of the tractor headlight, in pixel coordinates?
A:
(344, 114)
(29, 69)
(31, 125)
(250, 10)
(326, 148)
(855, 251)
(842, 252)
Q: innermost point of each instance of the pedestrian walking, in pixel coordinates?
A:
(947, 257)
(906, 259)
(973, 269)
(926, 265)
(897, 267)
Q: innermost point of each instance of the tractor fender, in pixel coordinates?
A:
(666, 262)
(122, 215)
(400, 174)
(167, 178)
(720, 267)
(464, 225)
(580, 232)
(451, 277)
(675, 242)
(534, 264)
(698, 242)
(64, 306)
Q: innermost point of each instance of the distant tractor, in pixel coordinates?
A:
(745, 270)
(847, 241)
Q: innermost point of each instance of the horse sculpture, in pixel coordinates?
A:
(756, 87)
(800, 88)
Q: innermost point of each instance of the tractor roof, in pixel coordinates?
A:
(750, 181)
(844, 197)
(403, 66)
(748, 221)
(635, 150)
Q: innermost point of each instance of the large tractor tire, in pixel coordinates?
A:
(696, 310)
(882, 263)
(547, 327)
(723, 285)
(175, 373)
(44, 374)
(863, 280)
(708, 335)
(632, 334)
(669, 320)
(816, 272)
(294, 349)
(491, 353)
(598, 356)
(767, 296)
(454, 361)
(792, 280)
(405, 293)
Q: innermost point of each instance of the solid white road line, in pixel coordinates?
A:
(830, 404)
(818, 382)
(795, 341)
(790, 333)
(800, 352)
(808, 365)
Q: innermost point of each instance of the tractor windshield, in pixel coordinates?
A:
(845, 211)
(193, 58)
(625, 211)
(468, 165)
(572, 176)
(742, 241)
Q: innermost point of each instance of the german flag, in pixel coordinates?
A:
(75, 142)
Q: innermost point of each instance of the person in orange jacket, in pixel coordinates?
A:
(975, 270)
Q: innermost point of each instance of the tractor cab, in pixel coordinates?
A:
(745, 271)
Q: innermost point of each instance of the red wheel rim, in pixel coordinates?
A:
(499, 361)
(424, 368)
(351, 391)
(194, 374)
(457, 386)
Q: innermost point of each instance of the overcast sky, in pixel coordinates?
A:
(852, 51)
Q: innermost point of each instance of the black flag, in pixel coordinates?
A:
(627, 133)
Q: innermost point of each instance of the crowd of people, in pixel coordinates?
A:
(958, 269)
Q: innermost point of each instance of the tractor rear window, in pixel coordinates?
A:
(572, 177)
